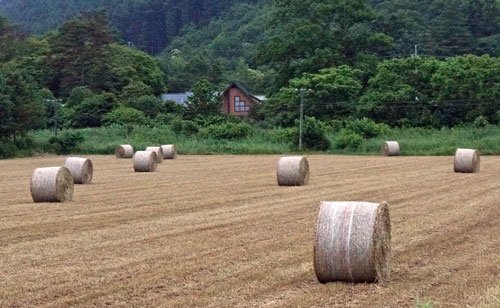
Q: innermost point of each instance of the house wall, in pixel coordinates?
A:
(231, 98)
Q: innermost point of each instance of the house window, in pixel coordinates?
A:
(239, 105)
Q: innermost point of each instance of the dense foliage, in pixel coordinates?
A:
(352, 64)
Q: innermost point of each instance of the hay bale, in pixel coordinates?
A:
(390, 148)
(124, 151)
(145, 161)
(81, 169)
(466, 160)
(293, 171)
(352, 242)
(159, 153)
(52, 184)
(169, 151)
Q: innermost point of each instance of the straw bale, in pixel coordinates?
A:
(390, 148)
(81, 169)
(145, 161)
(293, 171)
(466, 160)
(169, 151)
(52, 184)
(158, 151)
(124, 151)
(352, 242)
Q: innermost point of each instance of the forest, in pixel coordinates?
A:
(79, 64)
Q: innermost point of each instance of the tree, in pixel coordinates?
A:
(308, 35)
(80, 54)
(449, 32)
(129, 66)
(85, 108)
(331, 93)
(21, 103)
(204, 101)
(401, 93)
(466, 87)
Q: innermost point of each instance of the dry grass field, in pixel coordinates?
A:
(217, 231)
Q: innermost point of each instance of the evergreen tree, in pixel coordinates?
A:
(80, 54)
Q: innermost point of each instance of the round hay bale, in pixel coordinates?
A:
(169, 151)
(466, 160)
(124, 151)
(145, 161)
(81, 169)
(159, 153)
(352, 242)
(293, 171)
(390, 148)
(52, 184)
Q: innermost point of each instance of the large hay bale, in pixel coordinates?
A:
(145, 161)
(81, 169)
(293, 171)
(390, 148)
(124, 151)
(159, 153)
(466, 160)
(169, 151)
(352, 242)
(52, 184)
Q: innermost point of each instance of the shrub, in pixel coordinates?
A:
(282, 135)
(185, 127)
(125, 116)
(66, 143)
(481, 121)
(313, 135)
(367, 128)
(227, 130)
(7, 149)
(348, 139)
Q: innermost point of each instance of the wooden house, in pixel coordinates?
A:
(238, 100)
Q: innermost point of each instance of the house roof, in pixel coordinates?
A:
(258, 98)
(178, 98)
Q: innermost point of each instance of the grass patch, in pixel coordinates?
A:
(413, 141)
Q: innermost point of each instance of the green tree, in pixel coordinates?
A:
(21, 103)
(309, 35)
(449, 32)
(80, 54)
(204, 101)
(131, 68)
(85, 108)
(400, 92)
(331, 93)
(466, 87)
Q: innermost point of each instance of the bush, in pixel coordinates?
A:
(125, 116)
(348, 139)
(227, 130)
(481, 121)
(7, 149)
(185, 127)
(313, 135)
(66, 143)
(367, 128)
(282, 135)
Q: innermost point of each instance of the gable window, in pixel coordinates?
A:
(239, 105)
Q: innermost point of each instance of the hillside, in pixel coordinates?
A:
(149, 25)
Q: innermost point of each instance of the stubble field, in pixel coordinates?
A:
(217, 231)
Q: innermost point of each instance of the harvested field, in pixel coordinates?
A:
(218, 231)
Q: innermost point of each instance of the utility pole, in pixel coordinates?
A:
(301, 116)
(55, 108)
(416, 51)
(56, 115)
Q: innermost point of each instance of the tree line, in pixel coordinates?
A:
(84, 75)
